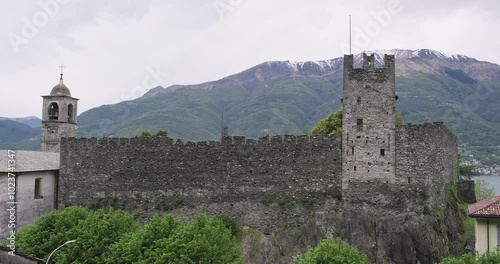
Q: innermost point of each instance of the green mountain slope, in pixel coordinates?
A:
(17, 135)
(289, 97)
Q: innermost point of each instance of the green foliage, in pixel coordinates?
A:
(467, 170)
(285, 202)
(114, 237)
(333, 251)
(492, 257)
(168, 240)
(330, 125)
(50, 231)
(424, 195)
(146, 134)
(483, 190)
(139, 246)
(232, 225)
(465, 259)
(95, 234)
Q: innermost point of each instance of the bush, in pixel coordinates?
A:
(492, 257)
(333, 251)
(169, 240)
(94, 232)
(50, 231)
(114, 237)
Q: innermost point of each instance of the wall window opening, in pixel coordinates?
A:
(382, 152)
(53, 111)
(38, 188)
(70, 113)
(359, 124)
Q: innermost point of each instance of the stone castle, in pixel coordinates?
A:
(275, 182)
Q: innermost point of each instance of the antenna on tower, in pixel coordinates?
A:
(350, 52)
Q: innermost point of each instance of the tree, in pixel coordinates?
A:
(467, 170)
(330, 125)
(50, 231)
(483, 190)
(146, 134)
(169, 240)
(333, 251)
(94, 232)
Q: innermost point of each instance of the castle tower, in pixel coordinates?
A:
(368, 134)
(58, 117)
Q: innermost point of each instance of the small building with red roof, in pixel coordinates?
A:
(487, 223)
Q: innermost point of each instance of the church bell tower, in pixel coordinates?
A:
(58, 116)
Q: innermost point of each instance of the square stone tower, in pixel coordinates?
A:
(58, 117)
(368, 118)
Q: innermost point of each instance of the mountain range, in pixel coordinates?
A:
(20, 133)
(288, 97)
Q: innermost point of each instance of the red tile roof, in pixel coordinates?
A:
(486, 208)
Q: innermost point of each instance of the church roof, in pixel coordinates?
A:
(26, 161)
(486, 208)
(60, 89)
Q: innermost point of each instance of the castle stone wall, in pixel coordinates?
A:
(154, 175)
(426, 157)
(237, 176)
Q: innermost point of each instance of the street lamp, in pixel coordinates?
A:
(65, 243)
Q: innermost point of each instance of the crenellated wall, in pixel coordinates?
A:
(154, 175)
(161, 175)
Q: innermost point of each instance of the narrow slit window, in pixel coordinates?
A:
(38, 188)
(70, 113)
(359, 124)
(359, 100)
(354, 168)
(382, 152)
(352, 150)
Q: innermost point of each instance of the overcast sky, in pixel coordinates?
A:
(117, 50)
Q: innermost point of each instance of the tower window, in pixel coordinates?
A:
(70, 113)
(38, 188)
(359, 124)
(359, 100)
(382, 152)
(53, 111)
(354, 168)
(352, 150)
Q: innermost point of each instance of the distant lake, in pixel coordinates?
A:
(492, 180)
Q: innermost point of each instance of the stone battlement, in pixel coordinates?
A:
(231, 140)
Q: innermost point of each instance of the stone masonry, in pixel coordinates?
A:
(393, 170)
(368, 131)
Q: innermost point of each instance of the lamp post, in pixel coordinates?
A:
(65, 243)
